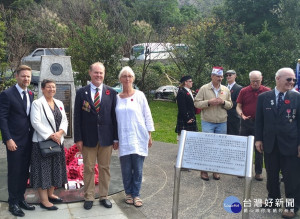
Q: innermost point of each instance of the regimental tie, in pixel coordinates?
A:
(25, 101)
(280, 100)
(97, 100)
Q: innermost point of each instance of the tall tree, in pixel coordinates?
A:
(2, 40)
(160, 14)
(251, 13)
(94, 43)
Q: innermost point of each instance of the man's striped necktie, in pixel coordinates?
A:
(97, 100)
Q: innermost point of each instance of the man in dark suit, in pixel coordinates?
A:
(16, 129)
(233, 119)
(186, 119)
(277, 134)
(95, 132)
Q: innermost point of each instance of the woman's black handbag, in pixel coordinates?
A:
(49, 147)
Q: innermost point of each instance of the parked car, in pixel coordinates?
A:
(119, 87)
(34, 59)
(166, 92)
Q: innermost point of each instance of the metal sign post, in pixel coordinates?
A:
(248, 175)
(177, 175)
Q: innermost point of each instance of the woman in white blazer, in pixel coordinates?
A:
(48, 172)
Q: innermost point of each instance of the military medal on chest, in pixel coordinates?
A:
(288, 112)
(294, 114)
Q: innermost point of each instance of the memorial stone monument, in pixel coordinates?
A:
(59, 69)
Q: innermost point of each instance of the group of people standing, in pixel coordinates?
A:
(272, 116)
(103, 121)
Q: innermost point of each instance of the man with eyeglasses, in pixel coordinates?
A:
(233, 119)
(277, 134)
(246, 108)
(214, 100)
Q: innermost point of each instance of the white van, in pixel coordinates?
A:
(151, 51)
(157, 51)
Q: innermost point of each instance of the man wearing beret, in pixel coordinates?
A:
(214, 100)
(186, 119)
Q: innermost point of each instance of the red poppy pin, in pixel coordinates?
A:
(222, 92)
(107, 92)
(287, 101)
(60, 108)
(131, 99)
(188, 93)
(30, 93)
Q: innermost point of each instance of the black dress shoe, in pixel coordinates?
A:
(55, 200)
(258, 177)
(106, 203)
(16, 210)
(23, 204)
(88, 205)
(52, 208)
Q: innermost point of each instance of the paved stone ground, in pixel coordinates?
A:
(198, 198)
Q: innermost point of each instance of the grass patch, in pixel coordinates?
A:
(165, 118)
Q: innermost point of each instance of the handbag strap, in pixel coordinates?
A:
(48, 119)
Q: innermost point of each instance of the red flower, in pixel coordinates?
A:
(287, 101)
(188, 93)
(131, 99)
(221, 92)
(30, 93)
(107, 92)
(60, 108)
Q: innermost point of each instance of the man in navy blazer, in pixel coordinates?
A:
(233, 119)
(95, 132)
(16, 129)
(277, 134)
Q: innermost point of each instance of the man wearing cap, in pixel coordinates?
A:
(214, 100)
(246, 108)
(233, 119)
(186, 119)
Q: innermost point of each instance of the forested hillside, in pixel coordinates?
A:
(237, 34)
(205, 7)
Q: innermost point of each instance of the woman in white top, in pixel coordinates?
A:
(135, 125)
(49, 120)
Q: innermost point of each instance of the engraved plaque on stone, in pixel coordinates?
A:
(215, 153)
(63, 93)
(56, 69)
